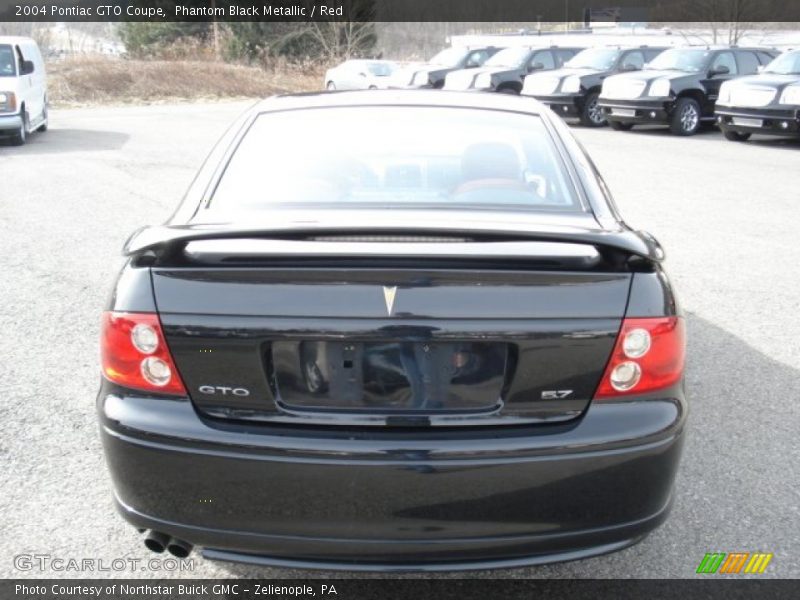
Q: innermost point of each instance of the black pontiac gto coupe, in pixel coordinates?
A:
(394, 330)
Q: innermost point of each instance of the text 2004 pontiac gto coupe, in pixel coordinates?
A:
(394, 330)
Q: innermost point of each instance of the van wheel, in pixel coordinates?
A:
(21, 136)
(685, 119)
(46, 122)
(735, 136)
(620, 126)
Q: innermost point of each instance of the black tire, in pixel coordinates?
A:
(330, 86)
(685, 118)
(509, 90)
(735, 136)
(373, 87)
(21, 136)
(620, 126)
(591, 114)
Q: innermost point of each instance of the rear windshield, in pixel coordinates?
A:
(7, 68)
(383, 157)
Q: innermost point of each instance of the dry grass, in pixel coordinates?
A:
(87, 81)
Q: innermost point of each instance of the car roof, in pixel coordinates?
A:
(421, 98)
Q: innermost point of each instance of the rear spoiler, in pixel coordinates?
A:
(164, 241)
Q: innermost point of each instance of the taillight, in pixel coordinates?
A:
(134, 353)
(648, 355)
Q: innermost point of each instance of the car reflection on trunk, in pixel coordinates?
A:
(418, 376)
(429, 373)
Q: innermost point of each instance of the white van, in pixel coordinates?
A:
(23, 89)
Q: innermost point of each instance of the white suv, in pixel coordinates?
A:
(23, 89)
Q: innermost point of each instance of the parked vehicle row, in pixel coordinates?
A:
(573, 90)
(23, 89)
(679, 88)
(433, 73)
(506, 71)
(743, 90)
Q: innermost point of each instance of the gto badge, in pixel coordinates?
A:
(224, 391)
(555, 394)
(388, 295)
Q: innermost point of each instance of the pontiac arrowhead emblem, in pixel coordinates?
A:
(388, 295)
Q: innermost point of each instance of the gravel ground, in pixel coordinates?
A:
(726, 212)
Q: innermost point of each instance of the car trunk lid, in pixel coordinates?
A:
(412, 332)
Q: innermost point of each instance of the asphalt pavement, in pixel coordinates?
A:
(727, 214)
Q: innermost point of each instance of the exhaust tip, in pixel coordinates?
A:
(179, 548)
(155, 541)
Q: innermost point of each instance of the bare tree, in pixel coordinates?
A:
(728, 20)
(342, 39)
(346, 39)
(742, 15)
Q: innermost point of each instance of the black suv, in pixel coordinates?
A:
(767, 103)
(678, 88)
(432, 73)
(573, 90)
(506, 70)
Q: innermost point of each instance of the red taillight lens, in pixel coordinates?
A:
(134, 353)
(648, 355)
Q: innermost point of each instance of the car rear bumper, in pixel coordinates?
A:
(10, 123)
(418, 501)
(781, 122)
(656, 111)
